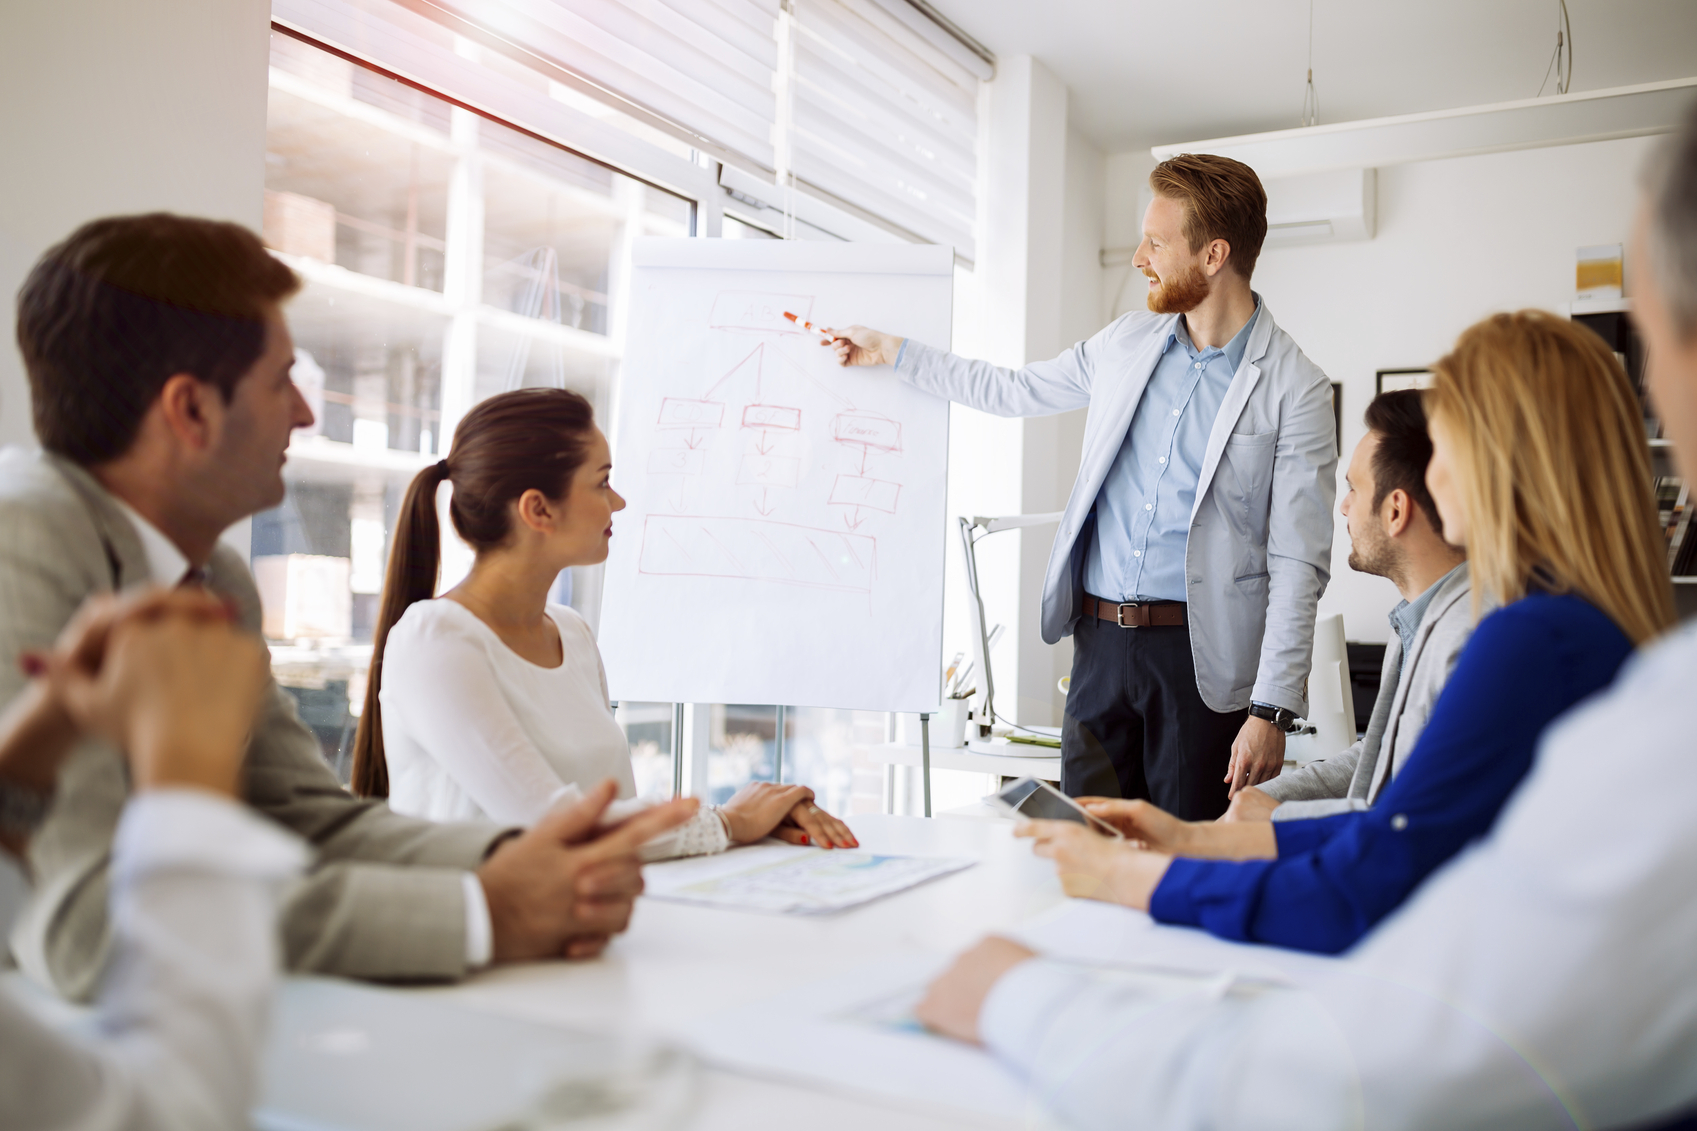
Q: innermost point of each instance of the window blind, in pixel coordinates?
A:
(885, 120)
(878, 116)
(701, 71)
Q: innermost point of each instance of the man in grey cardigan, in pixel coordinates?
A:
(1394, 533)
(159, 367)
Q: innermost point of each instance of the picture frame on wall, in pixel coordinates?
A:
(1337, 412)
(1391, 380)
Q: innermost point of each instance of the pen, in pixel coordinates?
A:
(805, 323)
(960, 676)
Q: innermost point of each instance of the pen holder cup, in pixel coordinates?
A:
(948, 725)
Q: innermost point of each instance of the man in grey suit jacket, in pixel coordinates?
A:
(1198, 537)
(1395, 533)
(159, 367)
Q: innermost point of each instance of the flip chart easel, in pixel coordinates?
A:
(785, 536)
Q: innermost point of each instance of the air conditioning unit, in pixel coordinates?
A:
(1320, 207)
(1301, 208)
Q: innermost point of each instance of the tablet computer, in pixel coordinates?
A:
(1036, 800)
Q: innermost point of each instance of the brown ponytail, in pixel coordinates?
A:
(506, 445)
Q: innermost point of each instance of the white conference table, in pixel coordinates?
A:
(680, 963)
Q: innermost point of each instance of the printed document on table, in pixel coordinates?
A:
(791, 879)
(855, 1033)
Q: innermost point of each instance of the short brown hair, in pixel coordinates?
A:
(1553, 468)
(110, 314)
(1405, 448)
(1223, 200)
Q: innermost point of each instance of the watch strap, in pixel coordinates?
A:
(22, 810)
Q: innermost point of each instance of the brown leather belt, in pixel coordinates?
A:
(1136, 614)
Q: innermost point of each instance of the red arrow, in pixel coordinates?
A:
(762, 445)
(863, 459)
(762, 505)
(853, 524)
(693, 442)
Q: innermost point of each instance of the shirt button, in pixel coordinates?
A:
(1137, 553)
(1175, 412)
(1399, 822)
(1163, 459)
(1199, 365)
(1148, 506)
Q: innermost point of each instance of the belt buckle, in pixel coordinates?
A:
(1119, 617)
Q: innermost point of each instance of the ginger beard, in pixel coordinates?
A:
(1177, 294)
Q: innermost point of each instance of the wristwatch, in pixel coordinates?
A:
(1278, 716)
(22, 809)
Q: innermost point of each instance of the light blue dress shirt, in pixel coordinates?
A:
(1143, 509)
(1406, 617)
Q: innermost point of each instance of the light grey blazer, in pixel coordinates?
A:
(1260, 547)
(1353, 779)
(385, 897)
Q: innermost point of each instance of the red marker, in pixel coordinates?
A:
(810, 326)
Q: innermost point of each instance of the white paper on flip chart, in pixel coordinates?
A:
(785, 536)
(787, 878)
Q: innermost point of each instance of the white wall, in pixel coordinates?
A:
(1457, 240)
(1034, 291)
(111, 106)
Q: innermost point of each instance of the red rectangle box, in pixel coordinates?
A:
(768, 471)
(757, 550)
(874, 432)
(675, 461)
(859, 491)
(675, 412)
(771, 416)
(752, 310)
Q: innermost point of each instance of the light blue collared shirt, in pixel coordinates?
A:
(1406, 617)
(1143, 508)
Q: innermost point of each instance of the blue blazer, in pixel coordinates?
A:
(1335, 877)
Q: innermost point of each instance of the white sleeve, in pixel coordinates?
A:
(182, 1014)
(1109, 1051)
(702, 835)
(455, 707)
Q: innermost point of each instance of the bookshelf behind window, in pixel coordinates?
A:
(1611, 320)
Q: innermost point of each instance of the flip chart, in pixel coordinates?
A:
(785, 533)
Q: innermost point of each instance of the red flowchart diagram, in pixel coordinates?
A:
(769, 464)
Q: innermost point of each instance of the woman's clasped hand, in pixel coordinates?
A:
(787, 812)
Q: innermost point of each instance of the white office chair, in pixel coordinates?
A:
(1331, 702)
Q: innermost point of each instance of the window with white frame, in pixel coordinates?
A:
(458, 184)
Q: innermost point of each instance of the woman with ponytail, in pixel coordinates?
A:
(491, 702)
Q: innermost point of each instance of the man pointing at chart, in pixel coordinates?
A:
(1198, 536)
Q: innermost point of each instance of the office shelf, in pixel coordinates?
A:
(317, 459)
(370, 288)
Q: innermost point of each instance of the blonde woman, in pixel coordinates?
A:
(1539, 468)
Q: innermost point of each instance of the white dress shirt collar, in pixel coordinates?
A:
(166, 564)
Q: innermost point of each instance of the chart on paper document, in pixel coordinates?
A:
(785, 878)
(785, 532)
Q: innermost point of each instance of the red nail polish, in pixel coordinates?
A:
(804, 839)
(31, 664)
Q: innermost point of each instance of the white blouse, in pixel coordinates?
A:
(473, 730)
